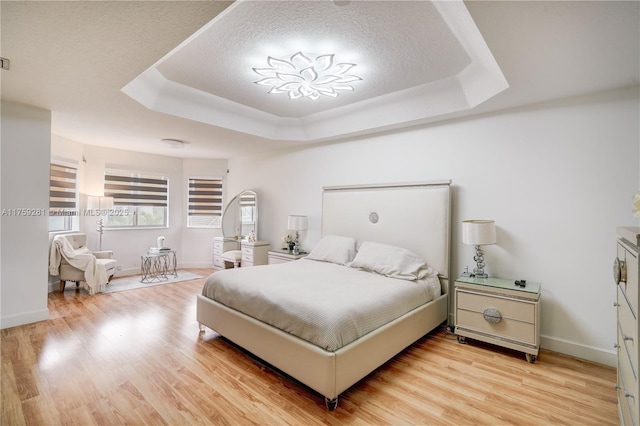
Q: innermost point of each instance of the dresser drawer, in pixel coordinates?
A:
(627, 330)
(247, 254)
(218, 262)
(627, 385)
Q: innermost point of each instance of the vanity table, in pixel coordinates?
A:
(239, 221)
(222, 245)
(254, 253)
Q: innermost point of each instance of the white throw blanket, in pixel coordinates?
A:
(81, 258)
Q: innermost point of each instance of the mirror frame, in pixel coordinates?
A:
(234, 210)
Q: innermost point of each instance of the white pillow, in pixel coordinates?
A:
(334, 249)
(391, 261)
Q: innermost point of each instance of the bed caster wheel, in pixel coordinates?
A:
(531, 358)
(462, 339)
(331, 404)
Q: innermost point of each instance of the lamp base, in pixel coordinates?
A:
(479, 269)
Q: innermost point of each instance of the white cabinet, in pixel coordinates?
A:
(500, 312)
(625, 274)
(283, 256)
(222, 245)
(254, 253)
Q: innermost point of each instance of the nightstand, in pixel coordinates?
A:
(254, 253)
(497, 311)
(284, 255)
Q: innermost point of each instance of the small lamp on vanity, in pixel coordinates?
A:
(98, 204)
(479, 233)
(297, 223)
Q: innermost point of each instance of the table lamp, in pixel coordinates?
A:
(297, 223)
(479, 233)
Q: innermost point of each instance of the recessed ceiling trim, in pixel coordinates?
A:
(480, 80)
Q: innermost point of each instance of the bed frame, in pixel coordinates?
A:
(415, 216)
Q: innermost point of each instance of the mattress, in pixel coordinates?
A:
(326, 304)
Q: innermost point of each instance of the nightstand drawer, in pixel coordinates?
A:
(507, 328)
(508, 308)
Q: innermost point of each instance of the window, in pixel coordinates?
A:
(62, 197)
(205, 203)
(139, 200)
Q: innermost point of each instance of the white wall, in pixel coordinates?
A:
(24, 254)
(557, 178)
(194, 245)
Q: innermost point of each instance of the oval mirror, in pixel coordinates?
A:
(240, 217)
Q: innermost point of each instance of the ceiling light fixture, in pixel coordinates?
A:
(305, 75)
(175, 143)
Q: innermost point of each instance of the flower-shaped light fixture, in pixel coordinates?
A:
(303, 75)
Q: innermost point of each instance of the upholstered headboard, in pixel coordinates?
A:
(416, 216)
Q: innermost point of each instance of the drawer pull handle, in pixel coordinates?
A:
(616, 346)
(629, 395)
(617, 386)
(492, 315)
(616, 304)
(625, 337)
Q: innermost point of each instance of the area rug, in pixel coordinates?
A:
(133, 282)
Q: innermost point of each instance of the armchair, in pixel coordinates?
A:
(73, 261)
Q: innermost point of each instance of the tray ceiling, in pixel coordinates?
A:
(416, 60)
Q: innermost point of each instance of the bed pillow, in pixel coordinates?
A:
(334, 249)
(391, 261)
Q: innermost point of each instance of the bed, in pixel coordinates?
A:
(411, 217)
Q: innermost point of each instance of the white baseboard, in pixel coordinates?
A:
(24, 318)
(578, 350)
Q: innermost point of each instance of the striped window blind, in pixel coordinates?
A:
(62, 187)
(134, 189)
(205, 202)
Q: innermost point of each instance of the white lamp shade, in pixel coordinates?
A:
(100, 203)
(479, 232)
(297, 223)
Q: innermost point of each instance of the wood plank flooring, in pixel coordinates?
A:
(137, 357)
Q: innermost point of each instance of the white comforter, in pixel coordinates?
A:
(323, 303)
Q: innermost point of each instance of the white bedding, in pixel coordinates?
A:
(326, 304)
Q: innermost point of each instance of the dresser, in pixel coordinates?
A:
(499, 311)
(254, 253)
(625, 275)
(283, 256)
(222, 245)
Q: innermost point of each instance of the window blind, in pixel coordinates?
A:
(134, 189)
(62, 187)
(205, 197)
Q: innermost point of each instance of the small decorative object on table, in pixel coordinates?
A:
(252, 236)
(288, 242)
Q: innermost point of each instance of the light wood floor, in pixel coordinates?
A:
(136, 357)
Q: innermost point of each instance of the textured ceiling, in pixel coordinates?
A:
(423, 58)
(74, 58)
